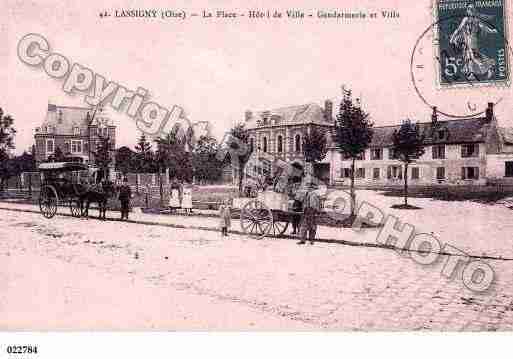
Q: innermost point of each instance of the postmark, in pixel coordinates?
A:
(471, 42)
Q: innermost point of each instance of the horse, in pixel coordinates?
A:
(97, 194)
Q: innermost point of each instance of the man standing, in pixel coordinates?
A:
(125, 193)
(311, 209)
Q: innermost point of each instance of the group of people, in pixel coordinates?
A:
(180, 196)
(306, 207)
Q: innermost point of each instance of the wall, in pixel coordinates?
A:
(453, 163)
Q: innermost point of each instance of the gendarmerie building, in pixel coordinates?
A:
(457, 152)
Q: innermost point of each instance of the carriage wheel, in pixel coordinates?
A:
(74, 206)
(279, 228)
(48, 201)
(256, 219)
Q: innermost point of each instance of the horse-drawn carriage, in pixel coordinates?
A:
(64, 183)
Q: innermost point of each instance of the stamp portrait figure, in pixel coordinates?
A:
(466, 40)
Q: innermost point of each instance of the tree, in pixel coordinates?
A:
(125, 160)
(144, 160)
(408, 146)
(239, 150)
(7, 133)
(102, 157)
(352, 135)
(207, 168)
(314, 145)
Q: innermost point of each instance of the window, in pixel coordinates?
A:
(392, 154)
(298, 143)
(375, 173)
(76, 131)
(469, 173)
(265, 144)
(346, 172)
(395, 172)
(93, 131)
(438, 152)
(415, 173)
(360, 173)
(280, 144)
(508, 169)
(470, 150)
(49, 146)
(252, 144)
(376, 154)
(76, 146)
(67, 147)
(440, 173)
(361, 156)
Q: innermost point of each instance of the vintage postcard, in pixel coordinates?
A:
(255, 166)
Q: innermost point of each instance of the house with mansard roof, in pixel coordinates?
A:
(70, 129)
(457, 151)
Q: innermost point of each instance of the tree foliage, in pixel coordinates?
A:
(408, 146)
(144, 158)
(352, 135)
(315, 146)
(207, 168)
(7, 133)
(239, 151)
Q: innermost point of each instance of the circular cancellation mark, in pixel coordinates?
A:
(457, 78)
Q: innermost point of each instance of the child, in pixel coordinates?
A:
(225, 216)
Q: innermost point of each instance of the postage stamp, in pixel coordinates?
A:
(472, 42)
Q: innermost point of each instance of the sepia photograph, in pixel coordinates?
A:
(289, 167)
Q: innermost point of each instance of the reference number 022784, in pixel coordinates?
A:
(22, 349)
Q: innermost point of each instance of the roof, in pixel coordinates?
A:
(506, 134)
(62, 166)
(470, 130)
(310, 113)
(65, 118)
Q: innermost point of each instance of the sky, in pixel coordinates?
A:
(215, 69)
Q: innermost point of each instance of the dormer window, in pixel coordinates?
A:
(76, 131)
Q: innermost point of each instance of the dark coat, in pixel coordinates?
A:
(125, 193)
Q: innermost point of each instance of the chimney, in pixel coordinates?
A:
(248, 115)
(328, 110)
(489, 112)
(434, 116)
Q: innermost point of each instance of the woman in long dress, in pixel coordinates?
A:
(175, 201)
(187, 198)
(465, 39)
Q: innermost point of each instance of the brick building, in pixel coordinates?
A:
(67, 128)
(280, 132)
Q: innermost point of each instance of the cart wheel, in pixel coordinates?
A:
(279, 228)
(74, 206)
(256, 219)
(48, 201)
